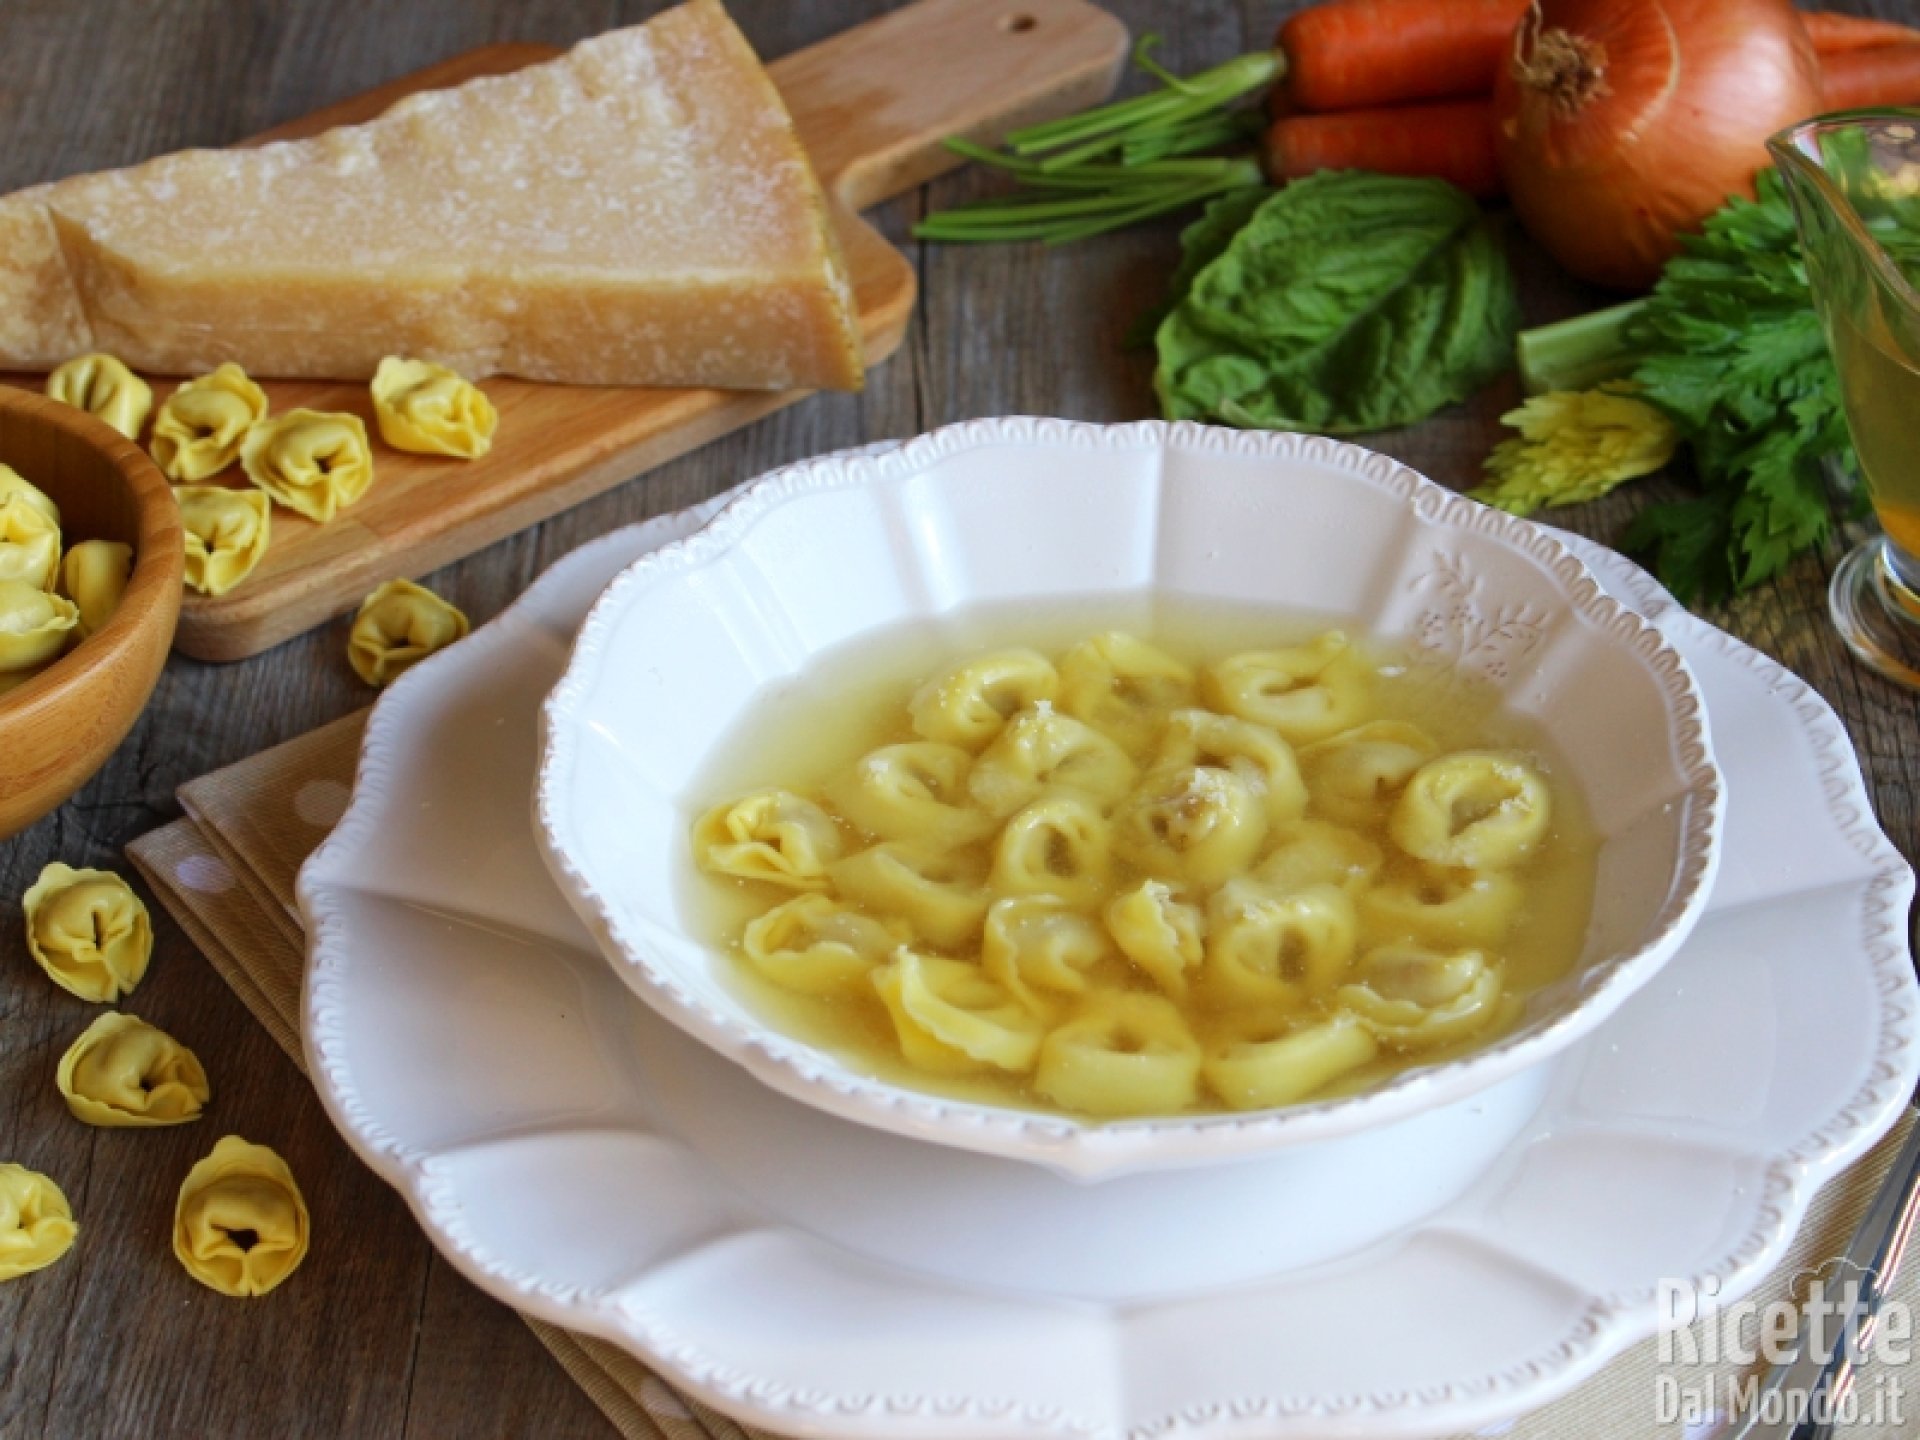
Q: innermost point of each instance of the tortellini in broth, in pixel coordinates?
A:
(1141, 877)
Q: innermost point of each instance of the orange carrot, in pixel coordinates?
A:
(1883, 75)
(1452, 141)
(1834, 34)
(1361, 53)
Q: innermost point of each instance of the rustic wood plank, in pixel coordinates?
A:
(375, 1337)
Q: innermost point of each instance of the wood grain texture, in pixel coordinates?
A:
(872, 105)
(61, 725)
(375, 1337)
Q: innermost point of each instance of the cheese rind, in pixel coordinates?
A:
(636, 212)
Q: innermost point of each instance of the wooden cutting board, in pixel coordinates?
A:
(872, 105)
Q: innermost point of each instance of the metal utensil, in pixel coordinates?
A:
(1874, 1253)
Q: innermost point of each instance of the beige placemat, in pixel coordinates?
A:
(227, 872)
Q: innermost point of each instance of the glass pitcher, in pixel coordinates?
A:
(1854, 180)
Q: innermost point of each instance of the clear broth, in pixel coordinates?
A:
(805, 729)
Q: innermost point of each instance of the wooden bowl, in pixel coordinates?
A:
(59, 727)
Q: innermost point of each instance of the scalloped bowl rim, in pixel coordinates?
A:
(1090, 1150)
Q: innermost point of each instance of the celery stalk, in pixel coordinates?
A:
(1580, 353)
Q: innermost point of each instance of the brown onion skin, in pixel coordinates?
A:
(1696, 87)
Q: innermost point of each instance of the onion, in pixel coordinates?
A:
(1622, 124)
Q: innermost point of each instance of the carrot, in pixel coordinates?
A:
(1833, 33)
(1361, 53)
(1883, 75)
(1452, 141)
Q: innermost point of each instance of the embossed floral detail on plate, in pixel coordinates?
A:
(1459, 632)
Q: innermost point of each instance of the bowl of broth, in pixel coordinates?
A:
(1125, 797)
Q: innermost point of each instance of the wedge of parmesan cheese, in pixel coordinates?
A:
(636, 212)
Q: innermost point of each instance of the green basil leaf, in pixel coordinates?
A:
(1347, 302)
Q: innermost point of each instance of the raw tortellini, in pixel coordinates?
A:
(29, 543)
(34, 628)
(94, 576)
(240, 1225)
(1114, 883)
(88, 931)
(431, 410)
(36, 1223)
(101, 385)
(227, 534)
(397, 627)
(122, 1071)
(13, 484)
(202, 425)
(314, 463)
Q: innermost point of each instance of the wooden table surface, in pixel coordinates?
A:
(376, 1336)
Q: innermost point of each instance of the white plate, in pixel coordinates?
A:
(693, 636)
(584, 1161)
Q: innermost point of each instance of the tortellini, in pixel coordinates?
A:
(1192, 823)
(1357, 774)
(431, 410)
(1041, 749)
(227, 534)
(1039, 943)
(34, 627)
(942, 896)
(1414, 998)
(1059, 845)
(774, 836)
(1125, 1054)
(1134, 885)
(915, 791)
(1305, 693)
(818, 946)
(14, 485)
(1123, 687)
(1443, 906)
(1288, 1062)
(94, 576)
(202, 425)
(312, 462)
(397, 627)
(1481, 811)
(1263, 761)
(1316, 852)
(36, 1223)
(969, 703)
(88, 931)
(29, 544)
(103, 386)
(1159, 932)
(122, 1071)
(240, 1225)
(1266, 947)
(953, 1017)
